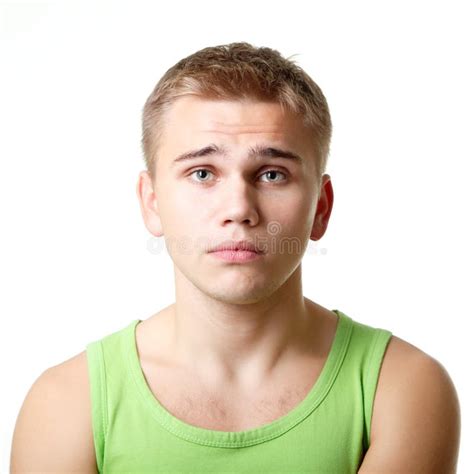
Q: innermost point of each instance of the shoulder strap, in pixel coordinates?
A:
(380, 340)
(95, 360)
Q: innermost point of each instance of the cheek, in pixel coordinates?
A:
(300, 214)
(181, 213)
(295, 205)
(173, 200)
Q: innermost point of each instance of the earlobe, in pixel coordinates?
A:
(323, 209)
(148, 204)
(318, 229)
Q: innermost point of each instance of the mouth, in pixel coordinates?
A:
(236, 255)
(244, 246)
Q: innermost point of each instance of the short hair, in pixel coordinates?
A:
(238, 71)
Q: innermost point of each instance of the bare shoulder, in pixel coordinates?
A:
(53, 430)
(416, 414)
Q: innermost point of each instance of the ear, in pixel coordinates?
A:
(323, 209)
(149, 204)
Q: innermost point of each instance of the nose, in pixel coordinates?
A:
(238, 203)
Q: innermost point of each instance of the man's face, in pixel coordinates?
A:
(233, 194)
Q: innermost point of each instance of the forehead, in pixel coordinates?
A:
(192, 118)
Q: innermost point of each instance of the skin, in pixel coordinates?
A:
(237, 322)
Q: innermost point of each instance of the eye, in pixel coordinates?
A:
(272, 172)
(200, 172)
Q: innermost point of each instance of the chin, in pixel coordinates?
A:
(243, 294)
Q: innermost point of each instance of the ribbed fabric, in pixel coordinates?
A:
(327, 432)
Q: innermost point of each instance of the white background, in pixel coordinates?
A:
(74, 261)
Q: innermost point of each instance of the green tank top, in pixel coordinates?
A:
(327, 432)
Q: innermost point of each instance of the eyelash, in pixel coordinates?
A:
(265, 172)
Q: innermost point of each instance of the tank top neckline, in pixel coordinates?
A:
(260, 434)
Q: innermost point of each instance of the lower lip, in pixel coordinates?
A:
(236, 255)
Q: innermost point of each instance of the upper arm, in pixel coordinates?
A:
(416, 419)
(53, 431)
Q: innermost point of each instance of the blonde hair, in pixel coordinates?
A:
(238, 71)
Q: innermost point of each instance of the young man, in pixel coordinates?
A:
(242, 373)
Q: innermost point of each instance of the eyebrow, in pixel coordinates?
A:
(258, 151)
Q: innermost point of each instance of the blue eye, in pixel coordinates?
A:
(274, 171)
(205, 170)
(200, 170)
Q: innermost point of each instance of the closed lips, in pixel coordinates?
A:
(236, 246)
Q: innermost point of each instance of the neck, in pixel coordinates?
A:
(239, 343)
